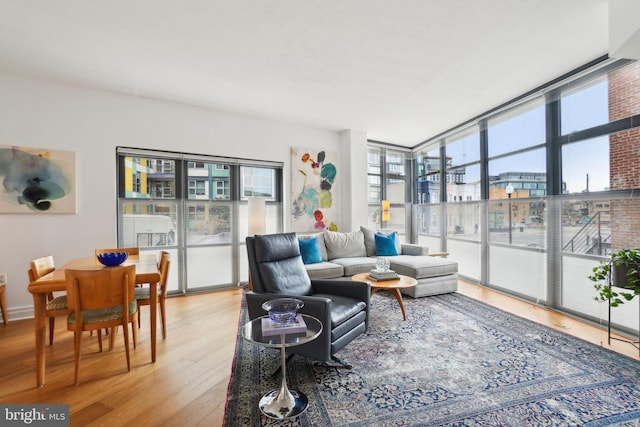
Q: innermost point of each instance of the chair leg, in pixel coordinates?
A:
(77, 335)
(52, 327)
(135, 331)
(100, 339)
(342, 362)
(3, 305)
(125, 332)
(112, 337)
(139, 317)
(164, 319)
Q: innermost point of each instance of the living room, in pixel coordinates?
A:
(56, 112)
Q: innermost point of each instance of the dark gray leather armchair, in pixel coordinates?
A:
(277, 271)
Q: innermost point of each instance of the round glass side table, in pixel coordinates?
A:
(282, 403)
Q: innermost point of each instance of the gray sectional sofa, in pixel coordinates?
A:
(347, 254)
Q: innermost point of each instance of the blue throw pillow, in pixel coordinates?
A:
(310, 250)
(386, 244)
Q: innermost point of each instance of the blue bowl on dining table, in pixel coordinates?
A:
(111, 259)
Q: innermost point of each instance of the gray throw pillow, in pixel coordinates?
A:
(344, 245)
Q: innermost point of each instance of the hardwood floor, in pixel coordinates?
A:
(187, 385)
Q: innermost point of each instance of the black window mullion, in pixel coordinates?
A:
(554, 149)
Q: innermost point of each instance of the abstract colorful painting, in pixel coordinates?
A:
(36, 180)
(314, 190)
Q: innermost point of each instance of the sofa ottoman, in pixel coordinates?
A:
(434, 275)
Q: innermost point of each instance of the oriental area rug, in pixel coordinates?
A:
(453, 362)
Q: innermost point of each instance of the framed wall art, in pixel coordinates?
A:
(314, 190)
(37, 180)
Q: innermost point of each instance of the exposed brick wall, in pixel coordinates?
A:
(624, 160)
(624, 156)
(624, 92)
(625, 224)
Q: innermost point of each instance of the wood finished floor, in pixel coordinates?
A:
(187, 385)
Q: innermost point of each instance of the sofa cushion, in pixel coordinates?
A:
(356, 265)
(310, 250)
(343, 245)
(370, 239)
(323, 247)
(324, 270)
(422, 266)
(386, 244)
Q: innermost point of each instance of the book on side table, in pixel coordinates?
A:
(378, 276)
(269, 327)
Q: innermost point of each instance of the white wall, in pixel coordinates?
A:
(624, 29)
(354, 195)
(37, 113)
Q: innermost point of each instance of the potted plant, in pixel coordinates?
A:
(621, 271)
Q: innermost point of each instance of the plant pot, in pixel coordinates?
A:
(620, 277)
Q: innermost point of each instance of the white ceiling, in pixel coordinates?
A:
(400, 70)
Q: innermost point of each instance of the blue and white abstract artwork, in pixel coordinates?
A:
(36, 180)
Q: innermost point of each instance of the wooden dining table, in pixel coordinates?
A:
(147, 273)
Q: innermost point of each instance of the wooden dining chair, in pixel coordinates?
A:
(56, 305)
(97, 300)
(130, 251)
(3, 304)
(144, 298)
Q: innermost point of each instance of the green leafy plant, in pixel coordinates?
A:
(622, 268)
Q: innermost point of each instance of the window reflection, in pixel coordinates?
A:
(258, 182)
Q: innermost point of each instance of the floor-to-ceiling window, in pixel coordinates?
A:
(388, 174)
(462, 194)
(528, 197)
(194, 207)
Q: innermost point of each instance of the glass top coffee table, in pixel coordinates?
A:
(393, 286)
(282, 403)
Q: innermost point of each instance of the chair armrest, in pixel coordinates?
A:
(318, 307)
(345, 288)
(415, 250)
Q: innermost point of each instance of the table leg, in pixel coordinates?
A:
(153, 297)
(396, 292)
(398, 296)
(283, 403)
(39, 304)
